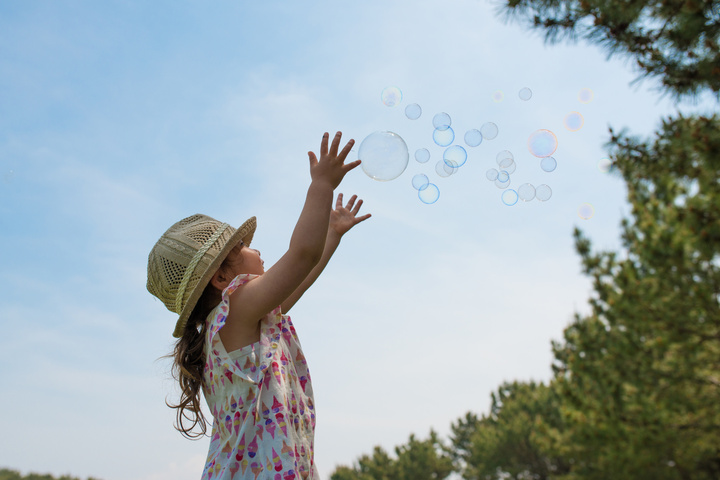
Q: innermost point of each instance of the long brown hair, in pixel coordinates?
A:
(189, 363)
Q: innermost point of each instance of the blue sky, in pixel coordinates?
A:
(118, 118)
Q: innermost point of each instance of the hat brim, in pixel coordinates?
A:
(243, 234)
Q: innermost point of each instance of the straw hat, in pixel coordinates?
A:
(183, 261)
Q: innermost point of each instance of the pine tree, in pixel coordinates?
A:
(673, 40)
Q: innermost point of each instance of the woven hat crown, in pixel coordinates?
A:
(182, 262)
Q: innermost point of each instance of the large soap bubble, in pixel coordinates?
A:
(542, 143)
(384, 156)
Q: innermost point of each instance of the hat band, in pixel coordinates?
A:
(193, 263)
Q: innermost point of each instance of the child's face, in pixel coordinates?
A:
(246, 260)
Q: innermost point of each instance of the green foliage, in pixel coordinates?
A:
(674, 40)
(416, 460)
(639, 377)
(515, 441)
(7, 474)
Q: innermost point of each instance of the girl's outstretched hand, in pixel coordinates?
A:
(343, 218)
(331, 166)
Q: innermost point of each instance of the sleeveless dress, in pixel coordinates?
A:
(261, 400)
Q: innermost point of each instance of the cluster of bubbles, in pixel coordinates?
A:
(501, 178)
(385, 154)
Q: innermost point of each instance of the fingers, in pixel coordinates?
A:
(351, 201)
(335, 144)
(351, 165)
(346, 150)
(363, 218)
(353, 207)
(324, 144)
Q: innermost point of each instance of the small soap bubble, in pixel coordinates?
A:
(498, 96)
(586, 211)
(456, 155)
(525, 94)
(491, 174)
(526, 192)
(503, 157)
(420, 181)
(473, 138)
(444, 169)
(548, 164)
(391, 96)
(429, 194)
(509, 197)
(574, 121)
(542, 143)
(585, 95)
(510, 167)
(543, 193)
(422, 155)
(9, 176)
(443, 137)
(441, 121)
(413, 111)
(502, 180)
(489, 130)
(605, 165)
(384, 156)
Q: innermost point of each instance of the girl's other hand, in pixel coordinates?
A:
(344, 218)
(331, 166)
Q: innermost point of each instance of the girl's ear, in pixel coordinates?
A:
(220, 280)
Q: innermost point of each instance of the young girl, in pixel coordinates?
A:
(236, 341)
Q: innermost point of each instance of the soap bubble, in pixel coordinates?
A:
(503, 179)
(498, 96)
(8, 176)
(420, 181)
(422, 155)
(491, 174)
(504, 158)
(509, 197)
(445, 169)
(384, 156)
(510, 167)
(543, 193)
(526, 192)
(542, 143)
(574, 121)
(441, 121)
(525, 94)
(429, 194)
(413, 111)
(489, 130)
(443, 137)
(586, 211)
(391, 96)
(473, 138)
(585, 95)
(605, 165)
(548, 164)
(455, 155)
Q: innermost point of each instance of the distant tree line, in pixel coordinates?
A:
(7, 474)
(635, 392)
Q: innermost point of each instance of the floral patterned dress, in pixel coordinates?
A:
(261, 400)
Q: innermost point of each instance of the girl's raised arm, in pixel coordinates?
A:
(251, 302)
